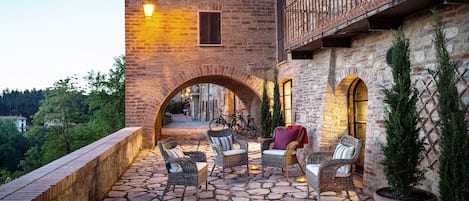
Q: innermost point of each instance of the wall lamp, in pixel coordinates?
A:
(148, 9)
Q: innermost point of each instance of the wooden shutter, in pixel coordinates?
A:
(210, 28)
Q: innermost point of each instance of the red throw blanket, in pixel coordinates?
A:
(305, 136)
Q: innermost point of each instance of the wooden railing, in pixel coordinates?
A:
(309, 19)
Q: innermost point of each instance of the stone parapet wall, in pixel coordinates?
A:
(85, 174)
(320, 87)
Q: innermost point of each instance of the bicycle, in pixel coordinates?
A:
(219, 123)
(244, 125)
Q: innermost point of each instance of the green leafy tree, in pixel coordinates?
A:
(106, 100)
(61, 111)
(266, 116)
(33, 159)
(403, 149)
(12, 145)
(12, 148)
(454, 176)
(24, 103)
(277, 117)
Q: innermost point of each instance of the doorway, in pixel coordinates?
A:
(357, 116)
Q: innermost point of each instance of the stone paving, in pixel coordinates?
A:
(146, 180)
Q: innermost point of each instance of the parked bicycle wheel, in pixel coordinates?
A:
(252, 129)
(238, 125)
(217, 124)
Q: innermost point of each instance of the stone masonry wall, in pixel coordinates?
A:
(320, 85)
(163, 55)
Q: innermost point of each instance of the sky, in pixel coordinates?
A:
(43, 41)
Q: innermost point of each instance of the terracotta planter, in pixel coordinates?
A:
(418, 194)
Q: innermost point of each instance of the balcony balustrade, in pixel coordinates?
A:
(312, 24)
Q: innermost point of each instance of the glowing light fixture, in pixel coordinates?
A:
(301, 179)
(148, 9)
(254, 167)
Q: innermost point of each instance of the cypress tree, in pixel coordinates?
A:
(266, 116)
(403, 149)
(453, 164)
(277, 117)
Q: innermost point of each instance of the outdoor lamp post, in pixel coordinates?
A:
(148, 9)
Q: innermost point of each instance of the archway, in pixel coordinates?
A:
(247, 95)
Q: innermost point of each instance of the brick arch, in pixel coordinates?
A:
(246, 86)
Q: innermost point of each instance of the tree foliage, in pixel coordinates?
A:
(277, 117)
(13, 145)
(24, 103)
(106, 100)
(61, 111)
(266, 116)
(454, 178)
(66, 120)
(403, 149)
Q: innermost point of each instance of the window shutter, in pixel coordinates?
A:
(209, 28)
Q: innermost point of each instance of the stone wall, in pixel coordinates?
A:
(85, 174)
(320, 85)
(163, 55)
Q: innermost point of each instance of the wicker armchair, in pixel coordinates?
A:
(193, 169)
(273, 157)
(226, 157)
(324, 173)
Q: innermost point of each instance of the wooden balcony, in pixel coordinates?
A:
(314, 24)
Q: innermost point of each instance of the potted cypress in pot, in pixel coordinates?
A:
(403, 149)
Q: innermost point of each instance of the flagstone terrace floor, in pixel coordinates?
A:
(146, 178)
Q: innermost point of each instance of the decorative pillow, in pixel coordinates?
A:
(284, 137)
(175, 152)
(343, 152)
(226, 142)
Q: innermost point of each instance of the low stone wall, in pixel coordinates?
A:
(85, 174)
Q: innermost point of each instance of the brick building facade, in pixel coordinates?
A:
(164, 56)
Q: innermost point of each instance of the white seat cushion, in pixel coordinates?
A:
(200, 166)
(343, 152)
(234, 152)
(314, 168)
(278, 152)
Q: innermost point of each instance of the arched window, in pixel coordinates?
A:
(287, 102)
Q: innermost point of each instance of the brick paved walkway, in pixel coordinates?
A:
(146, 178)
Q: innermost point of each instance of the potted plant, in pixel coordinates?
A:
(403, 149)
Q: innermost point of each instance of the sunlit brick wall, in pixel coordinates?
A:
(163, 54)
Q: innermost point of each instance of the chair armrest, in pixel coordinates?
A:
(328, 168)
(266, 144)
(187, 164)
(196, 156)
(318, 157)
(291, 147)
(242, 144)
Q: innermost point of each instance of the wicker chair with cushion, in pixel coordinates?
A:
(283, 152)
(332, 171)
(188, 168)
(227, 156)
